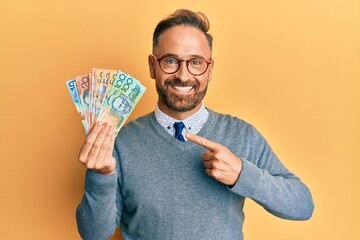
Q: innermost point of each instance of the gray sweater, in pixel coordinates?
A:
(161, 191)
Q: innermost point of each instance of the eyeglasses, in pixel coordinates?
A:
(195, 66)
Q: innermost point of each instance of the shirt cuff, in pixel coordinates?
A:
(100, 184)
(247, 183)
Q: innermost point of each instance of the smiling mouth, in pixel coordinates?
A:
(183, 89)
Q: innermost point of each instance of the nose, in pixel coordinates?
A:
(183, 73)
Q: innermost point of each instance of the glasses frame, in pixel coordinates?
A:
(179, 64)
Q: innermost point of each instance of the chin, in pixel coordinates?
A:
(180, 103)
(185, 108)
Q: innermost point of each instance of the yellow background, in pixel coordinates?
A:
(291, 68)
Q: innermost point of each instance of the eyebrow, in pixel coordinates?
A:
(176, 56)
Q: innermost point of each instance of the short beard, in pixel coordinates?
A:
(180, 103)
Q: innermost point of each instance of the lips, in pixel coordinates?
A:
(183, 89)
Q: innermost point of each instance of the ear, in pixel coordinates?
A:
(151, 62)
(211, 66)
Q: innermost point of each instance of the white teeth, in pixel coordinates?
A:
(183, 89)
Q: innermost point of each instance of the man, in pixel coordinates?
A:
(161, 181)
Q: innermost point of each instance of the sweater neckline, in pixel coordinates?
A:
(172, 141)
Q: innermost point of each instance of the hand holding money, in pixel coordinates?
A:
(104, 99)
(96, 153)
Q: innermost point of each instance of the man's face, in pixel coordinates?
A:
(181, 91)
(121, 105)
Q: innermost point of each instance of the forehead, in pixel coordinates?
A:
(183, 41)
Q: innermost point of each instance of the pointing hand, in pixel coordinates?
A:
(220, 163)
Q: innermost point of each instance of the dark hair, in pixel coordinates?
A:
(183, 17)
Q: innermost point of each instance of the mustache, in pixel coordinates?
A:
(179, 83)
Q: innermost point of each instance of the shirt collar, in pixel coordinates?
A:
(193, 123)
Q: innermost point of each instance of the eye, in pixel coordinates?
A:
(170, 61)
(196, 62)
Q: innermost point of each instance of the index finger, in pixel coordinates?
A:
(209, 145)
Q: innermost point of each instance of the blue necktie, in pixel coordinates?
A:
(179, 126)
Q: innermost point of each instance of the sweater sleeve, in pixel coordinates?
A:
(98, 213)
(266, 180)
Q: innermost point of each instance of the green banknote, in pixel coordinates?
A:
(121, 100)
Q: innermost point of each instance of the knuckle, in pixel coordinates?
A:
(96, 129)
(211, 172)
(88, 142)
(105, 148)
(216, 155)
(90, 157)
(207, 164)
(98, 166)
(110, 133)
(110, 161)
(97, 144)
(110, 165)
(214, 173)
(219, 153)
(216, 159)
(214, 164)
(90, 165)
(82, 158)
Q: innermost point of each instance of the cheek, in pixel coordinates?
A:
(203, 82)
(160, 79)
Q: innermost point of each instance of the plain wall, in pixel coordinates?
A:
(290, 68)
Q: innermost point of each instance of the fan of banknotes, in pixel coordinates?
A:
(105, 95)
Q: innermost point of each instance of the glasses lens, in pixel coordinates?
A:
(197, 66)
(169, 64)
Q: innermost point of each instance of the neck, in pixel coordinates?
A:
(175, 114)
